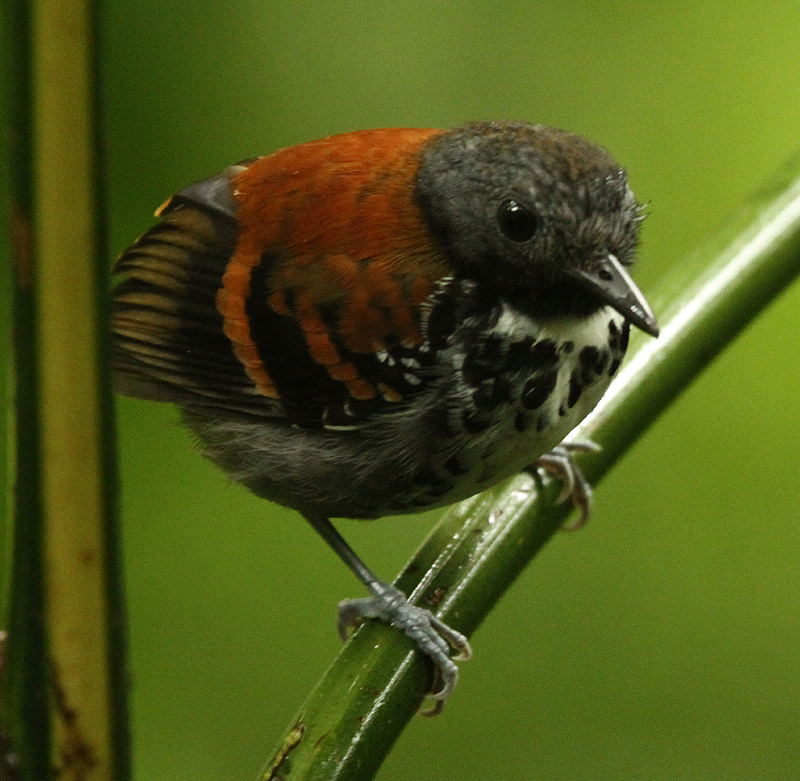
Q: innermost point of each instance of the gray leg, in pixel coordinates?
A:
(433, 637)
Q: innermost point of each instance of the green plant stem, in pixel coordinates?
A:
(25, 722)
(352, 718)
(66, 710)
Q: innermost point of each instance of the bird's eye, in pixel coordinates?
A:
(517, 222)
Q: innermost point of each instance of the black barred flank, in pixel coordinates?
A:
(305, 387)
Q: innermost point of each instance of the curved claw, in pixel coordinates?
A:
(431, 635)
(560, 464)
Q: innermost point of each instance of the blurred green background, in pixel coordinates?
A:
(662, 641)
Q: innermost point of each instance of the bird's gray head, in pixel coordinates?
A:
(543, 217)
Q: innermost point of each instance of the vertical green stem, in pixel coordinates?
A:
(65, 681)
(26, 728)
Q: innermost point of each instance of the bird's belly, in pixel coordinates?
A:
(505, 450)
(505, 416)
(436, 451)
(511, 443)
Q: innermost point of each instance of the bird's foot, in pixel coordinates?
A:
(560, 463)
(432, 636)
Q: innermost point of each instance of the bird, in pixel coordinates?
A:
(386, 321)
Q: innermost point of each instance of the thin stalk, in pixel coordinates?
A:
(351, 719)
(25, 723)
(67, 712)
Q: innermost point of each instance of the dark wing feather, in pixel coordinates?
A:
(167, 337)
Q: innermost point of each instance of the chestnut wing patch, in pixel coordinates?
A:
(336, 340)
(288, 286)
(323, 297)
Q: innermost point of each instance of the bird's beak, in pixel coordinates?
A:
(613, 284)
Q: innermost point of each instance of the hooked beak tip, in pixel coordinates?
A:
(613, 284)
(644, 321)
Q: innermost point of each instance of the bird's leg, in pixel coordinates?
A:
(560, 463)
(433, 637)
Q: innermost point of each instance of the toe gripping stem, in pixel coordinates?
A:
(430, 634)
(386, 602)
(560, 464)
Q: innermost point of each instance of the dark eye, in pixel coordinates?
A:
(517, 222)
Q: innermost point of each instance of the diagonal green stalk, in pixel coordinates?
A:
(351, 719)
